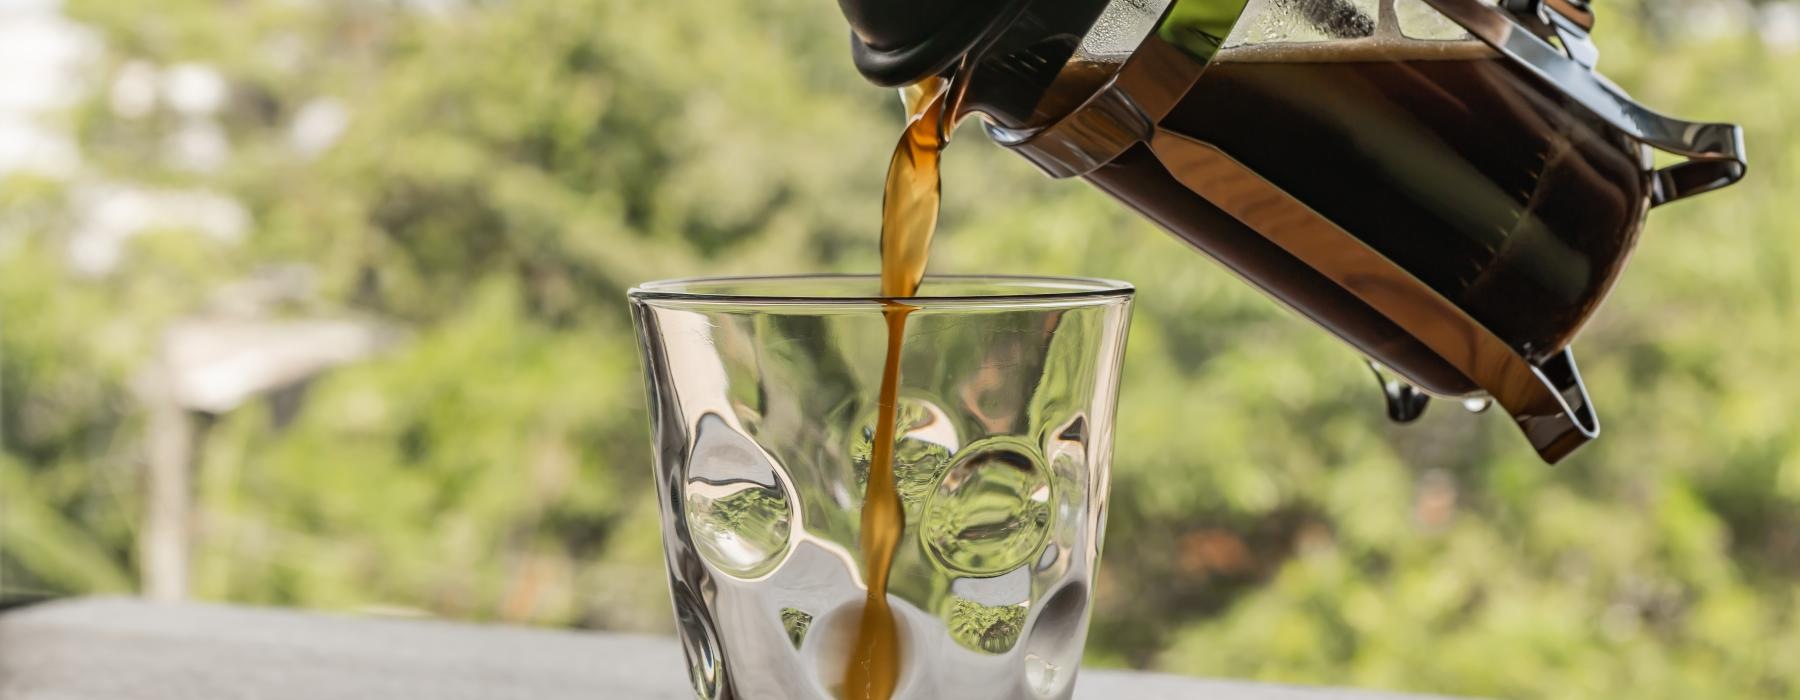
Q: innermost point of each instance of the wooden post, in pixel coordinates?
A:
(168, 490)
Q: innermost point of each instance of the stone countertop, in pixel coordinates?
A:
(126, 649)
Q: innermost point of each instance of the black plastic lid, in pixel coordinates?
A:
(899, 42)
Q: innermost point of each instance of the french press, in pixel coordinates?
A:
(1447, 185)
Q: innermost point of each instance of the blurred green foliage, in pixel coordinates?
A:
(510, 168)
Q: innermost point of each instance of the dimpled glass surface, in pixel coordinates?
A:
(763, 396)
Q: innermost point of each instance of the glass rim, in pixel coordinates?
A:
(1036, 289)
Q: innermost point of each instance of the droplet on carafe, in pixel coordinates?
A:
(737, 505)
(1405, 402)
(991, 511)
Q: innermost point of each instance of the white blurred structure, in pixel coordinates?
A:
(42, 56)
(239, 350)
(213, 365)
(108, 216)
(318, 126)
(216, 365)
(1779, 24)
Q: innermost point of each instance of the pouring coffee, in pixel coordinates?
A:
(1446, 185)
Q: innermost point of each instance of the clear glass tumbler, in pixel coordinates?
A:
(763, 395)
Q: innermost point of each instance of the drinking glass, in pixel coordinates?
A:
(763, 396)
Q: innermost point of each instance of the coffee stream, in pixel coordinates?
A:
(909, 209)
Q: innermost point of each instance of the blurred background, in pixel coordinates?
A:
(321, 304)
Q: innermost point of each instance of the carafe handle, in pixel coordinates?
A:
(1714, 152)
